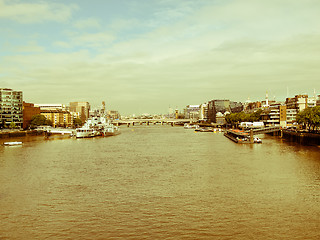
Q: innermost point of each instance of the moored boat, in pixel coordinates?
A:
(85, 132)
(190, 126)
(203, 129)
(97, 126)
(12, 143)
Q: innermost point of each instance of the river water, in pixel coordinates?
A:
(159, 182)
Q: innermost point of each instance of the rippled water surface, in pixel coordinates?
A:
(159, 182)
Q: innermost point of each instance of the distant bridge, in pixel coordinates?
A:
(133, 122)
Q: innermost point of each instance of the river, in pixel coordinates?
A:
(159, 182)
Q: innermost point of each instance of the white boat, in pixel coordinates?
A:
(12, 143)
(190, 126)
(109, 130)
(257, 140)
(85, 132)
(97, 126)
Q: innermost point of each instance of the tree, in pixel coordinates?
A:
(77, 122)
(236, 118)
(309, 118)
(39, 120)
(13, 125)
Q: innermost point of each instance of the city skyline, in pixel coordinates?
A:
(142, 57)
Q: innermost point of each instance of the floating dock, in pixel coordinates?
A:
(238, 136)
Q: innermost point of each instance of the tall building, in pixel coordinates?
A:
(29, 110)
(203, 112)
(81, 107)
(221, 107)
(11, 107)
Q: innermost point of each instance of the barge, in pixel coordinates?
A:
(240, 136)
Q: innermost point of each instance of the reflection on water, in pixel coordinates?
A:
(159, 182)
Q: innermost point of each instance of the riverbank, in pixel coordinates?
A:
(13, 133)
(301, 137)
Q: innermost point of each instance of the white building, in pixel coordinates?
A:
(51, 106)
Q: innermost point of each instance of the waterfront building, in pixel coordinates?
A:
(11, 109)
(252, 107)
(192, 112)
(222, 106)
(113, 114)
(81, 107)
(203, 112)
(51, 106)
(279, 115)
(58, 118)
(29, 110)
(221, 118)
(300, 102)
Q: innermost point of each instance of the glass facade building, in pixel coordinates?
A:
(11, 108)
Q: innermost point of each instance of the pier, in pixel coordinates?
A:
(247, 136)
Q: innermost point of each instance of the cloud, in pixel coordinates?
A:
(87, 23)
(93, 40)
(229, 49)
(31, 47)
(35, 12)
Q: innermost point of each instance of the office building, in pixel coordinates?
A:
(222, 107)
(11, 111)
(82, 108)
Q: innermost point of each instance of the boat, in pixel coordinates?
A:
(203, 129)
(257, 140)
(97, 126)
(12, 143)
(190, 126)
(240, 136)
(109, 130)
(85, 132)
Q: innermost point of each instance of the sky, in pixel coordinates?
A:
(144, 56)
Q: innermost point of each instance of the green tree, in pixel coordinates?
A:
(236, 118)
(13, 125)
(309, 118)
(77, 122)
(39, 120)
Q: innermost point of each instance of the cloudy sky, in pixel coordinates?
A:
(142, 56)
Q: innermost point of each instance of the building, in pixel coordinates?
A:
(49, 106)
(83, 108)
(318, 101)
(203, 112)
(29, 110)
(251, 107)
(192, 112)
(222, 106)
(278, 114)
(300, 102)
(11, 108)
(58, 118)
(113, 114)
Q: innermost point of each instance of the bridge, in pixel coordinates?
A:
(133, 122)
